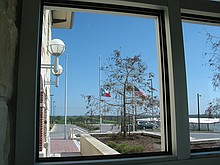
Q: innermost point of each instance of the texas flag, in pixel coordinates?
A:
(105, 93)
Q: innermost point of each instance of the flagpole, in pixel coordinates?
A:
(100, 96)
(133, 107)
(65, 99)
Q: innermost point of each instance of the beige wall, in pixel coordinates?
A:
(8, 43)
(45, 89)
(91, 146)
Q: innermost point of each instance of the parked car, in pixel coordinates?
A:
(146, 125)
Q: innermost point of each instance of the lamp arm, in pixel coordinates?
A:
(46, 66)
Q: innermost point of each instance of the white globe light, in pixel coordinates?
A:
(59, 72)
(56, 47)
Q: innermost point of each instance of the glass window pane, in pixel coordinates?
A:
(202, 55)
(102, 95)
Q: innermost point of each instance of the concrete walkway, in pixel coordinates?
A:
(63, 148)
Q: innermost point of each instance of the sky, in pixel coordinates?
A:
(199, 75)
(93, 35)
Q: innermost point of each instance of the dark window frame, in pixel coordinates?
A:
(201, 19)
(164, 65)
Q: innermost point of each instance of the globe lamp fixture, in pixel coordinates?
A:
(56, 47)
(59, 71)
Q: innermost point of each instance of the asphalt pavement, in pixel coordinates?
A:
(204, 136)
(58, 132)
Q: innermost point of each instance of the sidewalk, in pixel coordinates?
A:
(63, 148)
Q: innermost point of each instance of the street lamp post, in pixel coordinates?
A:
(57, 47)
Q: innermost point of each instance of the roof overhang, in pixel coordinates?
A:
(62, 19)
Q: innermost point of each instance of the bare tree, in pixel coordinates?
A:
(123, 75)
(91, 107)
(213, 58)
(213, 109)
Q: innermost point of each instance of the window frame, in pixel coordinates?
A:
(206, 20)
(27, 98)
(162, 63)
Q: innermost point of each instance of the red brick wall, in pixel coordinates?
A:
(42, 120)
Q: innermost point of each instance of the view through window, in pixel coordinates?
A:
(100, 84)
(203, 66)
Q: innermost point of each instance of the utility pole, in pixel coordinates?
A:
(198, 101)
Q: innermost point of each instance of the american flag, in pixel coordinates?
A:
(138, 92)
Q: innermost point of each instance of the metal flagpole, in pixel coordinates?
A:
(100, 95)
(133, 106)
(198, 96)
(65, 99)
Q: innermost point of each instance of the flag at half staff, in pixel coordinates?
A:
(138, 92)
(105, 93)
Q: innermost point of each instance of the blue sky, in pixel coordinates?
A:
(100, 34)
(198, 74)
